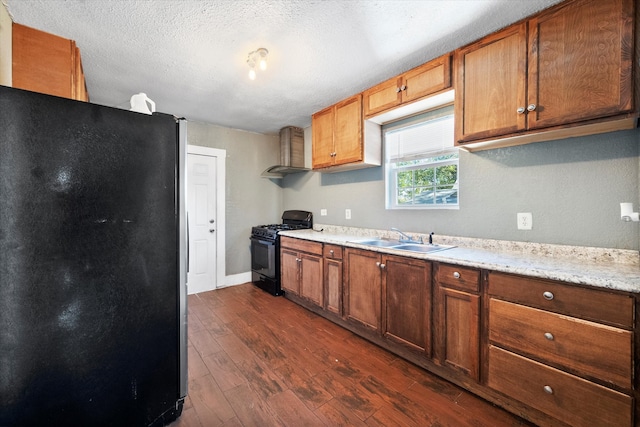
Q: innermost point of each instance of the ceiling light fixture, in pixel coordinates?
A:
(259, 57)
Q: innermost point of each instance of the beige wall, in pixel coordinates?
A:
(5, 46)
(250, 199)
(572, 187)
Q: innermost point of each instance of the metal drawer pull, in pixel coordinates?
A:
(547, 389)
(456, 275)
(520, 110)
(382, 266)
(547, 295)
(549, 336)
(531, 107)
(331, 252)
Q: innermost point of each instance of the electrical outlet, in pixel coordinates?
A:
(347, 213)
(323, 212)
(525, 221)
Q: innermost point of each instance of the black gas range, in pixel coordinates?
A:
(265, 249)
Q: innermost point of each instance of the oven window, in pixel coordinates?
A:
(263, 257)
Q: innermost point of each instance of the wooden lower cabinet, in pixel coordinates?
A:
(333, 279)
(554, 353)
(568, 398)
(301, 271)
(363, 288)
(406, 285)
(289, 271)
(457, 319)
(564, 350)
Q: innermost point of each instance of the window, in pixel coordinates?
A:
(421, 162)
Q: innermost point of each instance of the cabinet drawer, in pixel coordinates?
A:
(463, 278)
(301, 245)
(591, 304)
(584, 347)
(571, 399)
(332, 251)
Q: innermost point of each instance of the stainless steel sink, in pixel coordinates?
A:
(377, 242)
(395, 244)
(421, 248)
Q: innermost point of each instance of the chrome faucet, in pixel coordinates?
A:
(407, 238)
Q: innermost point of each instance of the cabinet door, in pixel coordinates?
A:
(311, 278)
(382, 96)
(322, 138)
(580, 65)
(79, 86)
(42, 62)
(348, 131)
(458, 331)
(429, 78)
(363, 293)
(289, 277)
(333, 286)
(407, 287)
(491, 85)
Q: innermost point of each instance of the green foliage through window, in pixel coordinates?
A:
(422, 164)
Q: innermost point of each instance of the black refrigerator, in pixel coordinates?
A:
(93, 315)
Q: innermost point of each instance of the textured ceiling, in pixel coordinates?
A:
(190, 56)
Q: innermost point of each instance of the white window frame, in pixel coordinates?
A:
(433, 150)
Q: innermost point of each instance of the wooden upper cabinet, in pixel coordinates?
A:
(415, 84)
(322, 136)
(566, 66)
(491, 85)
(46, 63)
(580, 63)
(339, 137)
(348, 131)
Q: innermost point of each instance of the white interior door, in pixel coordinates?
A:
(203, 224)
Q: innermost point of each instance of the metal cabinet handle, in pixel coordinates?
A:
(456, 275)
(403, 87)
(331, 252)
(378, 264)
(382, 266)
(547, 389)
(211, 230)
(520, 110)
(549, 336)
(547, 295)
(298, 260)
(211, 221)
(531, 107)
(398, 90)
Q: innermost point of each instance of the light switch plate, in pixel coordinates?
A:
(525, 221)
(347, 213)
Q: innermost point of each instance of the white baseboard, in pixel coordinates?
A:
(237, 279)
(234, 279)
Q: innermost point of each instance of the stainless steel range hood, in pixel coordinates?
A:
(291, 154)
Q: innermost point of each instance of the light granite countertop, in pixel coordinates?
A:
(599, 267)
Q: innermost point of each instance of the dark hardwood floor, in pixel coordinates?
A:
(259, 360)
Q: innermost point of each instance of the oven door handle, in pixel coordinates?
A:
(264, 242)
